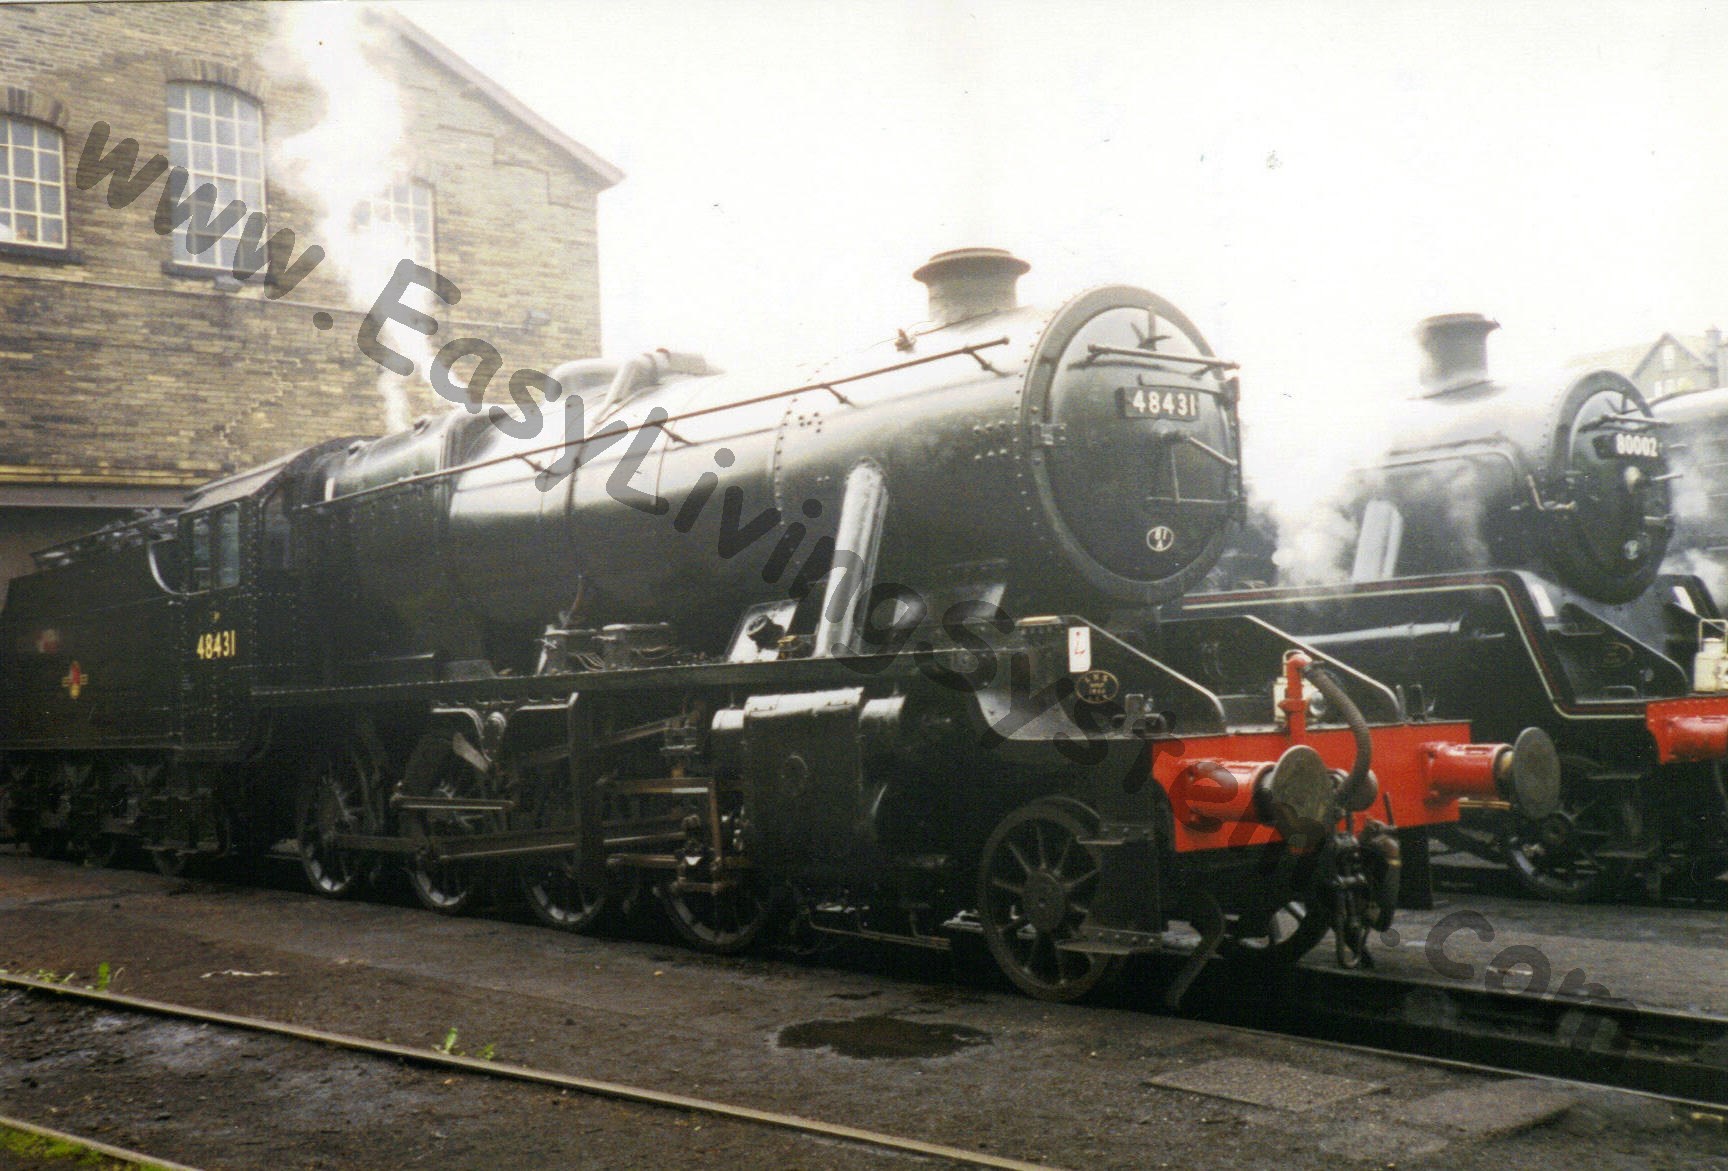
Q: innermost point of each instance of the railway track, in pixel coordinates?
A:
(1680, 1057)
(31, 1141)
(1677, 1057)
(508, 1071)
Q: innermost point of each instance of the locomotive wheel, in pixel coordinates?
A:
(80, 784)
(111, 798)
(449, 888)
(1558, 858)
(1703, 868)
(1292, 931)
(99, 850)
(1034, 888)
(169, 862)
(558, 896)
(47, 843)
(334, 802)
(719, 924)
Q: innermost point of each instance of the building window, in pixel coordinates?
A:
(217, 135)
(32, 186)
(407, 207)
(1668, 356)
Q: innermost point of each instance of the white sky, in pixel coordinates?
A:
(1305, 180)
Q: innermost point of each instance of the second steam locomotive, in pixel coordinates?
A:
(871, 643)
(1508, 570)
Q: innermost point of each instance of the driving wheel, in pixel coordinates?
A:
(559, 897)
(1034, 890)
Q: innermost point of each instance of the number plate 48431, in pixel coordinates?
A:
(1157, 402)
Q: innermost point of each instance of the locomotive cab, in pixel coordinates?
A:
(226, 568)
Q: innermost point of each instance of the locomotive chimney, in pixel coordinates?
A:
(1454, 351)
(970, 282)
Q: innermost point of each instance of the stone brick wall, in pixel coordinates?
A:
(116, 370)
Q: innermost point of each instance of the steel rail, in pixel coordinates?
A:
(510, 1071)
(136, 1159)
(1463, 1065)
(1674, 1056)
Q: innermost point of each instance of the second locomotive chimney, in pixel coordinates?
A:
(1454, 350)
(970, 282)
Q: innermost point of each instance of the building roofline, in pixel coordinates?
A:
(1677, 340)
(602, 170)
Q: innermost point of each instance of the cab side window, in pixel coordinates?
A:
(226, 545)
(276, 550)
(215, 554)
(199, 576)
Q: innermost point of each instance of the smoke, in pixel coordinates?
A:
(1308, 480)
(1311, 470)
(1700, 544)
(347, 160)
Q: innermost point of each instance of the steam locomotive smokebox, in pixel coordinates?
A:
(1565, 476)
(803, 772)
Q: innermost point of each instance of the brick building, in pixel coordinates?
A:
(1673, 364)
(134, 364)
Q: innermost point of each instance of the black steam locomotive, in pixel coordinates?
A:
(1695, 424)
(870, 642)
(1508, 570)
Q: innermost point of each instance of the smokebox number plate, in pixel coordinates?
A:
(1156, 402)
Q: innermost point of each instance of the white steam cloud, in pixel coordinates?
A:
(1305, 483)
(350, 158)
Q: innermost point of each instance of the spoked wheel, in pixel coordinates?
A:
(51, 805)
(47, 843)
(559, 897)
(332, 802)
(722, 923)
(81, 785)
(438, 772)
(99, 849)
(1034, 888)
(169, 862)
(1291, 932)
(450, 888)
(1561, 857)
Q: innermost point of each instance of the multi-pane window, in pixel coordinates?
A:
(407, 206)
(32, 187)
(217, 135)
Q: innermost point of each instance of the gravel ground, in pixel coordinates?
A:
(874, 1038)
(222, 1098)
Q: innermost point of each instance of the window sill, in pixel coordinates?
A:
(213, 273)
(38, 253)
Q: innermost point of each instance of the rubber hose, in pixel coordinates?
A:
(1335, 695)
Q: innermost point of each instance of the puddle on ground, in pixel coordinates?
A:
(868, 1037)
